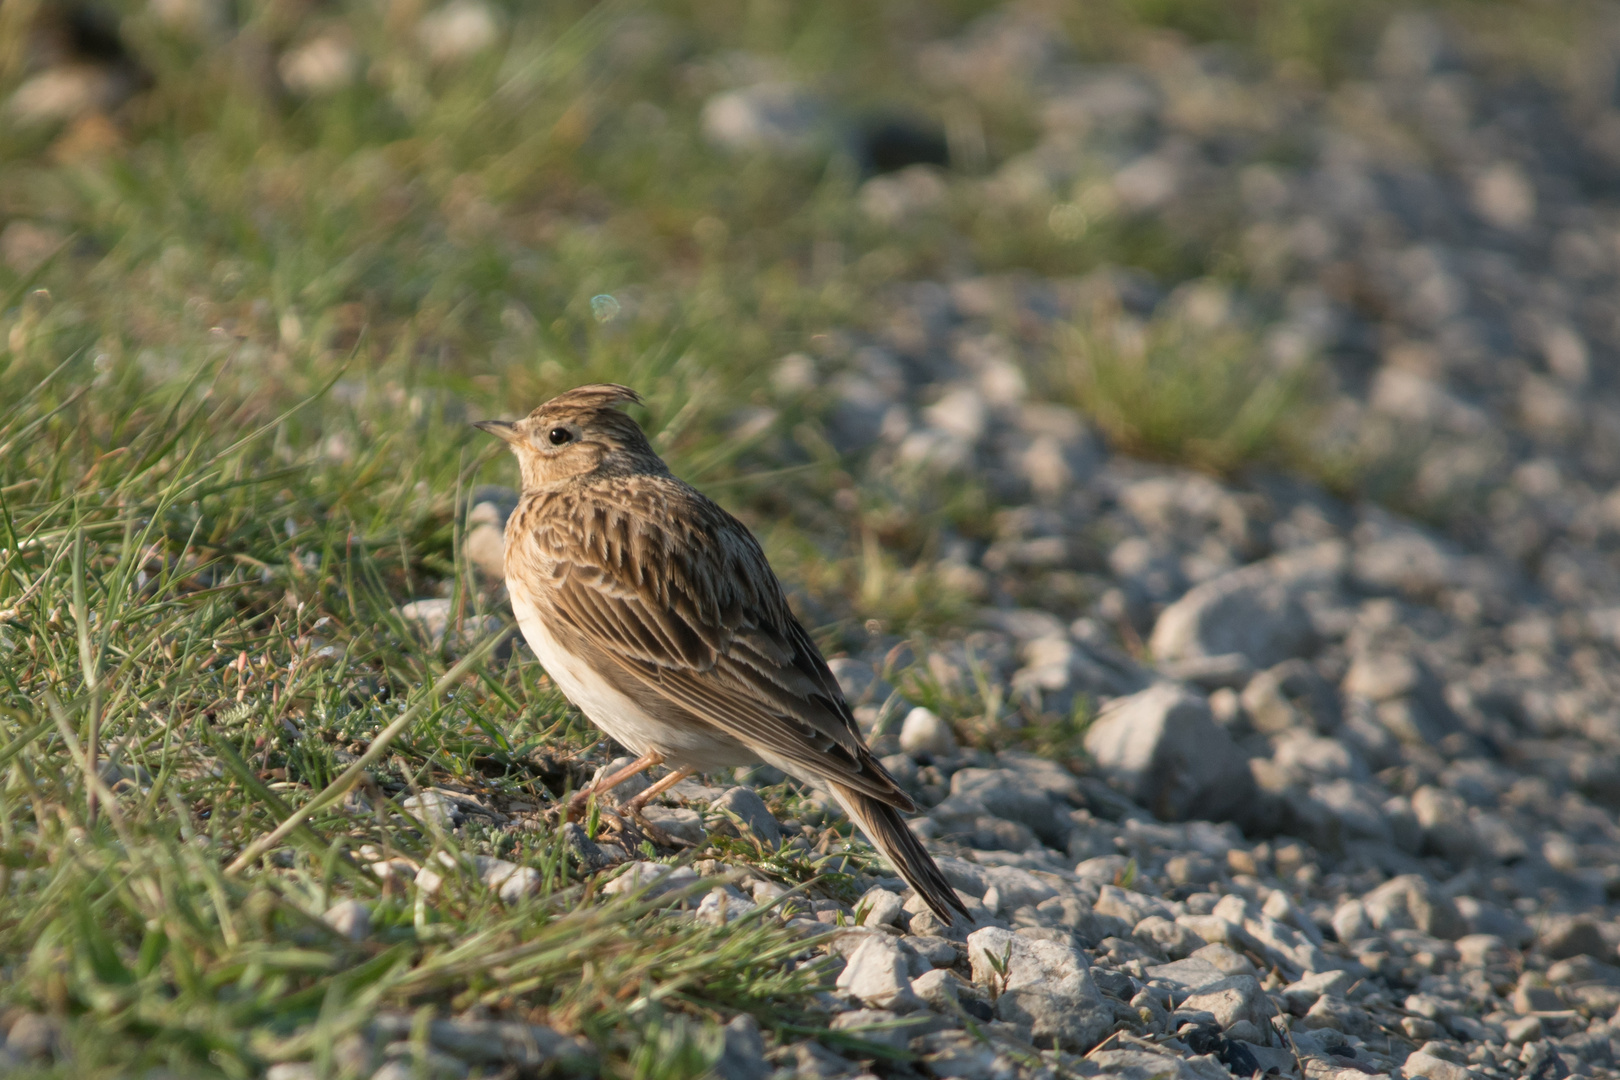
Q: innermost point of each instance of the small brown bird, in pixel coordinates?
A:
(657, 614)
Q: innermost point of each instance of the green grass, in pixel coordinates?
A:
(224, 631)
(234, 405)
(1173, 390)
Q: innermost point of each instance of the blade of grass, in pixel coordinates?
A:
(22, 741)
(90, 662)
(92, 777)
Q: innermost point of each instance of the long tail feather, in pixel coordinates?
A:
(887, 830)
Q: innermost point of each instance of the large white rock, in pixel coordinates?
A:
(877, 973)
(1255, 612)
(1163, 748)
(1044, 984)
(1409, 902)
(1230, 1001)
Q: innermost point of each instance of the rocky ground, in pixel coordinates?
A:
(1346, 801)
(1350, 799)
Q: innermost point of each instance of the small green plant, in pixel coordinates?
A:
(1058, 737)
(1000, 967)
(1127, 875)
(863, 910)
(674, 1047)
(1174, 392)
(902, 596)
(974, 702)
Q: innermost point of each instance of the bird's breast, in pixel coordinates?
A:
(682, 740)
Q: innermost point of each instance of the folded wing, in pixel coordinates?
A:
(684, 603)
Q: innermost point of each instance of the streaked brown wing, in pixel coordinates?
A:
(699, 619)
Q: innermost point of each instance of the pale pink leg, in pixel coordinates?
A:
(656, 789)
(576, 805)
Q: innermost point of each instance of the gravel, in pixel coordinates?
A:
(1350, 810)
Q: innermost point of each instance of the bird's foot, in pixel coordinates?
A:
(579, 806)
(657, 788)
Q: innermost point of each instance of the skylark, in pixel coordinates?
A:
(657, 614)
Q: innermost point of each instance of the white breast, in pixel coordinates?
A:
(611, 709)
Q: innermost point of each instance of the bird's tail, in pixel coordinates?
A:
(887, 830)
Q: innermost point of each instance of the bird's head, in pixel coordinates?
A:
(578, 433)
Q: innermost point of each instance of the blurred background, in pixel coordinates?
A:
(1372, 244)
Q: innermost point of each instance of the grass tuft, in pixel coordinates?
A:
(1170, 390)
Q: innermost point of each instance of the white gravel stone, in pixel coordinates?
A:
(1171, 938)
(1280, 906)
(1164, 749)
(1041, 983)
(657, 878)
(458, 30)
(1350, 921)
(433, 619)
(429, 881)
(1250, 612)
(883, 908)
(944, 990)
(510, 881)
(1434, 1068)
(961, 413)
(291, 1070)
(1229, 1001)
(1135, 1064)
(750, 809)
(1189, 975)
(319, 67)
(1133, 907)
(877, 973)
(434, 807)
(351, 918)
(1410, 902)
(720, 906)
(1339, 1015)
(1302, 993)
(627, 789)
(775, 117)
(678, 821)
(1524, 1029)
(923, 733)
(65, 92)
(32, 1036)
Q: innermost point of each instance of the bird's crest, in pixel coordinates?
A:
(594, 397)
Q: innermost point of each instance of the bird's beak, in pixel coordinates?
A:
(503, 428)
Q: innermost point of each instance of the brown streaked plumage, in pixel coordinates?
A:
(658, 615)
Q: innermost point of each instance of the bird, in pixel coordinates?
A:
(658, 615)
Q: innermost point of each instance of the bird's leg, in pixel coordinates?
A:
(657, 788)
(576, 805)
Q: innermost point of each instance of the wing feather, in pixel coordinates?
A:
(677, 594)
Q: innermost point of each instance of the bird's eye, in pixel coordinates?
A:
(560, 435)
